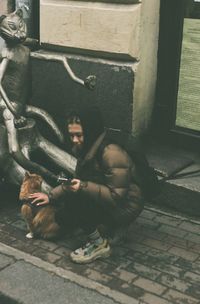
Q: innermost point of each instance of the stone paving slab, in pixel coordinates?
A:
(34, 285)
(159, 263)
(30, 280)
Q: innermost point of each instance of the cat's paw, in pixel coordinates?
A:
(30, 235)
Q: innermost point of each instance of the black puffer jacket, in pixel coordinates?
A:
(109, 178)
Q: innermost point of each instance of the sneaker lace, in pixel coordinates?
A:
(87, 244)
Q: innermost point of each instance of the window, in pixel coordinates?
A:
(177, 108)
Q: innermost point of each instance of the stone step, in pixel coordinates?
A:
(181, 194)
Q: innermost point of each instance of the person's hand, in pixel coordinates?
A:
(39, 199)
(74, 186)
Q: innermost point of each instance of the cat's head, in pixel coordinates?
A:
(33, 178)
(12, 27)
(31, 184)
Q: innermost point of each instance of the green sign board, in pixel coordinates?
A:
(188, 101)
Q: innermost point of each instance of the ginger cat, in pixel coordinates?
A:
(40, 220)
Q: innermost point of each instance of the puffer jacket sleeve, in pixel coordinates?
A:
(117, 168)
(57, 193)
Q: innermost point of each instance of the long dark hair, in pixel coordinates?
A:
(91, 120)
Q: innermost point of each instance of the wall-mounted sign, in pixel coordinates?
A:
(188, 102)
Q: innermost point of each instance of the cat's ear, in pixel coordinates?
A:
(27, 174)
(19, 12)
(2, 17)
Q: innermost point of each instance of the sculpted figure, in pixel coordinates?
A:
(16, 126)
(14, 68)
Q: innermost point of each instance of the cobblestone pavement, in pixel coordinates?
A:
(158, 264)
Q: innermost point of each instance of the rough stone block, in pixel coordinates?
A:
(6, 6)
(5, 261)
(161, 245)
(172, 231)
(191, 227)
(105, 27)
(179, 298)
(170, 269)
(164, 219)
(189, 265)
(150, 285)
(186, 254)
(174, 283)
(153, 299)
(54, 91)
(46, 256)
(192, 278)
(114, 1)
(144, 271)
(124, 275)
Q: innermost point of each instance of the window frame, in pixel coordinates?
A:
(169, 56)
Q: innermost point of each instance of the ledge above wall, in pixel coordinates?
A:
(113, 1)
(107, 28)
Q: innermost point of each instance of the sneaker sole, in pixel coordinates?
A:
(84, 260)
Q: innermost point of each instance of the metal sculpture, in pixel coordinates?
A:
(19, 135)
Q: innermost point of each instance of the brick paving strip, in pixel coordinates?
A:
(159, 264)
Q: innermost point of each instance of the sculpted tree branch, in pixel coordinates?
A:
(90, 80)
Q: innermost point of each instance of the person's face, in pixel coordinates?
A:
(75, 131)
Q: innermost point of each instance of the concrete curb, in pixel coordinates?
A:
(172, 214)
(69, 275)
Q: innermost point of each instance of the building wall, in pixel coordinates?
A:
(146, 74)
(97, 27)
(115, 30)
(6, 6)
(115, 40)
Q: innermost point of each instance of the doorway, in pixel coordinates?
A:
(177, 108)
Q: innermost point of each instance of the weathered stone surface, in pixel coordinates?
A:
(114, 1)
(91, 26)
(5, 261)
(186, 254)
(6, 6)
(150, 285)
(179, 298)
(54, 91)
(165, 274)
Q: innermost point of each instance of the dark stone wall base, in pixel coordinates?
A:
(54, 91)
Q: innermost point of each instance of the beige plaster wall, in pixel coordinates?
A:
(6, 6)
(104, 27)
(146, 73)
(113, 29)
(3, 7)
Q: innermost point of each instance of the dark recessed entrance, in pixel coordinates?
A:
(177, 110)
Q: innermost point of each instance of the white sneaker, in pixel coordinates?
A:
(90, 252)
